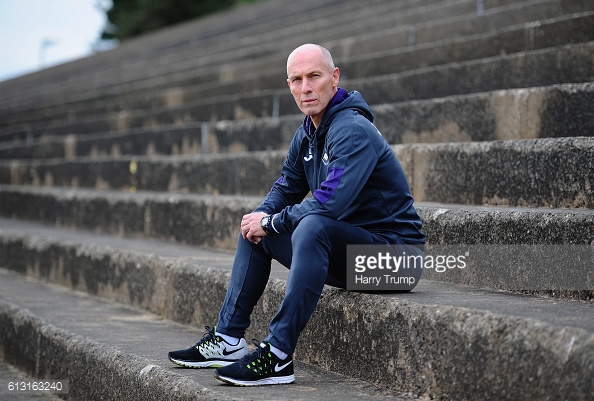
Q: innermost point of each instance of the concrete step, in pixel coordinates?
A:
(213, 220)
(568, 64)
(111, 351)
(192, 219)
(397, 57)
(528, 113)
(437, 334)
(546, 172)
(507, 114)
(267, 72)
(183, 139)
(549, 9)
(247, 173)
(213, 58)
(536, 173)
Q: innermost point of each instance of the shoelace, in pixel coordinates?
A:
(261, 356)
(209, 336)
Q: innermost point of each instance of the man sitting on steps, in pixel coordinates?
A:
(360, 196)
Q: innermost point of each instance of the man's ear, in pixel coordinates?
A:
(335, 76)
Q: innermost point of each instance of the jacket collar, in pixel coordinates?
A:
(338, 98)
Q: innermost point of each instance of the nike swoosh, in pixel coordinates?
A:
(226, 353)
(279, 368)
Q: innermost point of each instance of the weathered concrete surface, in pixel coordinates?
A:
(22, 253)
(463, 224)
(568, 64)
(546, 172)
(246, 173)
(110, 351)
(181, 139)
(506, 114)
(418, 22)
(540, 250)
(95, 371)
(515, 27)
(393, 44)
(193, 219)
(429, 342)
(213, 220)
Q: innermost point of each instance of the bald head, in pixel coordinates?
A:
(312, 50)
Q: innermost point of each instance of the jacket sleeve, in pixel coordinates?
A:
(291, 187)
(351, 161)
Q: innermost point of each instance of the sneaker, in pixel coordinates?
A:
(210, 352)
(258, 368)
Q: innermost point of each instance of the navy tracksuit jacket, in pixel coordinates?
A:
(351, 172)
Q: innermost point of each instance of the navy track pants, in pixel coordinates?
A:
(315, 254)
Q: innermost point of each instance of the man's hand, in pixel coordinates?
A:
(250, 227)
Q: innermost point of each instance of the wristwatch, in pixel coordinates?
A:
(265, 223)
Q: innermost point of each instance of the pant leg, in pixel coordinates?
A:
(249, 276)
(319, 256)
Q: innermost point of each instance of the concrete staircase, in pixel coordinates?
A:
(123, 177)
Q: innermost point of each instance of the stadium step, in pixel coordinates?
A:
(507, 114)
(430, 340)
(211, 221)
(544, 172)
(105, 350)
(560, 30)
(568, 64)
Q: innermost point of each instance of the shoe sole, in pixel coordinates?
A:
(198, 365)
(262, 382)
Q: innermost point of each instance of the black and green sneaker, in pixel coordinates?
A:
(258, 368)
(210, 352)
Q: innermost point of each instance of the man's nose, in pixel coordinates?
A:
(305, 87)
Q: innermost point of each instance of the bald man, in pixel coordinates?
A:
(360, 196)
